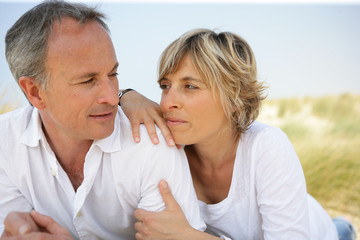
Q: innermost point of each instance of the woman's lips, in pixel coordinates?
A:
(175, 121)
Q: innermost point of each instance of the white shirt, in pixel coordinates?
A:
(267, 197)
(119, 176)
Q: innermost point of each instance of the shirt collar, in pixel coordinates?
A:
(34, 133)
(111, 143)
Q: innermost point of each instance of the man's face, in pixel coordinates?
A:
(80, 101)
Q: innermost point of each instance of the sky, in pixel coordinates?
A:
(302, 48)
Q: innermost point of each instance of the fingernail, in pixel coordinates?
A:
(171, 142)
(155, 140)
(24, 229)
(163, 184)
(137, 139)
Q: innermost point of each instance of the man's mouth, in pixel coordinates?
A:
(102, 116)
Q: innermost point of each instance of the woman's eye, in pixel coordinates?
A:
(164, 86)
(189, 86)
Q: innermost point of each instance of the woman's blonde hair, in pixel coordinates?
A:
(227, 64)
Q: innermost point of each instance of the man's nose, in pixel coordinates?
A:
(109, 92)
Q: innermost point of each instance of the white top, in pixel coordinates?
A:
(267, 197)
(119, 176)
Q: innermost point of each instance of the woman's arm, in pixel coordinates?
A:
(168, 224)
(281, 187)
(141, 110)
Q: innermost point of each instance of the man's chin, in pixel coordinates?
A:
(102, 133)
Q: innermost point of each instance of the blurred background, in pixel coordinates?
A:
(308, 54)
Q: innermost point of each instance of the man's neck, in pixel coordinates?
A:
(70, 153)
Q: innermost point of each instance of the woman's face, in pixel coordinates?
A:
(190, 109)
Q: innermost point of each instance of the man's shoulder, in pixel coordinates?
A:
(127, 137)
(12, 127)
(15, 112)
(144, 156)
(16, 119)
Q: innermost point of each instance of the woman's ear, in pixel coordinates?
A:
(32, 91)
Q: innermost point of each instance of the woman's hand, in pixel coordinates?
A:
(168, 224)
(140, 109)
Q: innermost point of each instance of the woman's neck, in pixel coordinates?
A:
(215, 152)
(211, 165)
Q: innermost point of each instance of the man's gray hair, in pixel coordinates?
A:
(26, 40)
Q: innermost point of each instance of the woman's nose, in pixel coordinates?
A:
(170, 99)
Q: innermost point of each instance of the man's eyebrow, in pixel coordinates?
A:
(93, 74)
(115, 67)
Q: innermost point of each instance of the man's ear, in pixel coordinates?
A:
(32, 91)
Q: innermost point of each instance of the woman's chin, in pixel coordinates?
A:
(182, 140)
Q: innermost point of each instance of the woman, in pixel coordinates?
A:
(246, 174)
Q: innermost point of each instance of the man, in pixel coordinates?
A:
(70, 156)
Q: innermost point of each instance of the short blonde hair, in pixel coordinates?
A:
(227, 64)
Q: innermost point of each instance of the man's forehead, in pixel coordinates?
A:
(79, 50)
(69, 35)
(69, 25)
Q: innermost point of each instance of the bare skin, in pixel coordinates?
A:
(141, 110)
(212, 171)
(33, 225)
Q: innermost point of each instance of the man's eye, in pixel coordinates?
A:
(114, 74)
(88, 81)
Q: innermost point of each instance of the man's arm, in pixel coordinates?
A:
(168, 224)
(11, 198)
(17, 217)
(171, 165)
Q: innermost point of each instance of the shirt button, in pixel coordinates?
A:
(53, 172)
(79, 214)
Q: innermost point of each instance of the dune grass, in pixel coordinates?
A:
(6, 105)
(325, 132)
